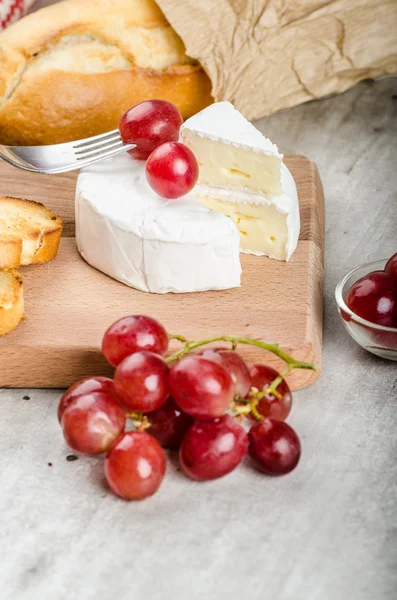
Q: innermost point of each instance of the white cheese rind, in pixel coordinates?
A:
(126, 230)
(287, 203)
(222, 122)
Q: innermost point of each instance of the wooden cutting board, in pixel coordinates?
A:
(69, 305)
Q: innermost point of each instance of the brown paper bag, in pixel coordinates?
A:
(264, 55)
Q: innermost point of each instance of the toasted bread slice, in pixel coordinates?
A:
(11, 300)
(29, 233)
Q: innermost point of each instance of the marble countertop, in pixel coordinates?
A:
(325, 532)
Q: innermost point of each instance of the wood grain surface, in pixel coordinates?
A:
(69, 304)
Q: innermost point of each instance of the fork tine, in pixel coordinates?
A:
(61, 158)
(94, 138)
(99, 151)
(98, 144)
(99, 147)
(82, 162)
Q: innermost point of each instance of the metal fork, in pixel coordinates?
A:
(59, 158)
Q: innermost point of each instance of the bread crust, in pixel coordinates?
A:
(43, 232)
(48, 248)
(11, 301)
(48, 104)
(72, 106)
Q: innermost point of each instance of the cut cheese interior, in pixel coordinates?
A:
(224, 165)
(263, 229)
(267, 226)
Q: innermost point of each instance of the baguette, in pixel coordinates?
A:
(70, 70)
(29, 233)
(11, 300)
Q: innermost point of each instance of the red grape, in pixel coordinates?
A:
(201, 387)
(172, 170)
(132, 334)
(391, 267)
(86, 386)
(168, 424)
(270, 405)
(141, 381)
(274, 447)
(148, 125)
(374, 298)
(135, 466)
(213, 448)
(93, 422)
(234, 365)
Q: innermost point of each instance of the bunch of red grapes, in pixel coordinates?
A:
(153, 125)
(374, 296)
(194, 405)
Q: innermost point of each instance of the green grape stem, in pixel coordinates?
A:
(139, 421)
(255, 395)
(234, 340)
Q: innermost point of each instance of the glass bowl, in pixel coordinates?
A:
(378, 339)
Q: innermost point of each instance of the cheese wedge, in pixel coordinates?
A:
(267, 226)
(231, 152)
(242, 176)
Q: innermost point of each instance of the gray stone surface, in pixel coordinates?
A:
(325, 532)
